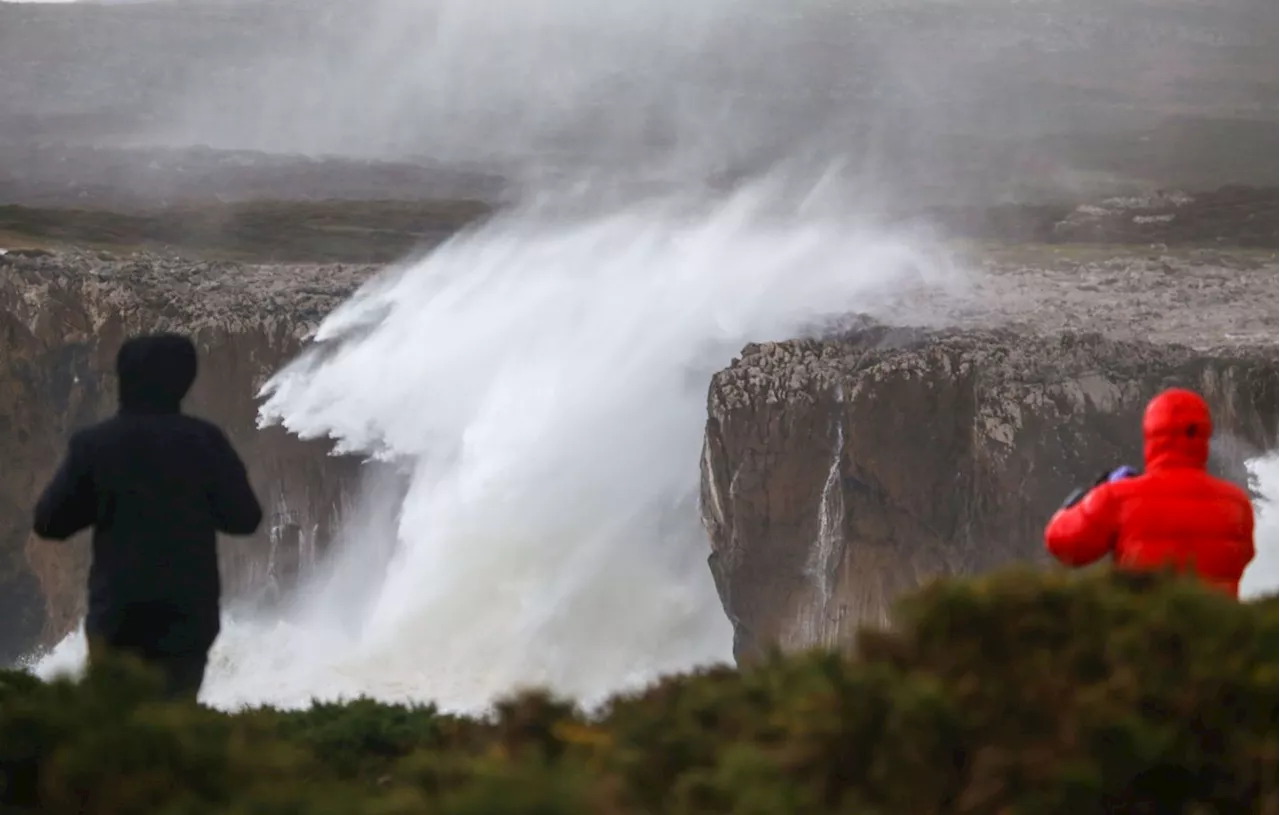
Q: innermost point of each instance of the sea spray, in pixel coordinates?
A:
(535, 391)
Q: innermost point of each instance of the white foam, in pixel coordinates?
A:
(1263, 575)
(541, 384)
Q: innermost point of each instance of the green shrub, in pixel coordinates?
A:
(1023, 692)
(362, 738)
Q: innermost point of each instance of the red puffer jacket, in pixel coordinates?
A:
(1174, 514)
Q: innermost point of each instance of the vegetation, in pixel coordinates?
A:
(259, 231)
(1017, 693)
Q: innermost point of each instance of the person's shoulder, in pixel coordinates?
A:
(202, 427)
(1137, 489)
(1228, 490)
(1105, 495)
(1211, 487)
(1125, 487)
(205, 431)
(94, 433)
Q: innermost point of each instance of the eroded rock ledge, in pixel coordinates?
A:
(838, 473)
(62, 317)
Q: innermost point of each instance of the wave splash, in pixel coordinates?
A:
(535, 392)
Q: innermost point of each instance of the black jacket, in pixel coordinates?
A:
(156, 486)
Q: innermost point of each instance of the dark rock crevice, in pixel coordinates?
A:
(950, 450)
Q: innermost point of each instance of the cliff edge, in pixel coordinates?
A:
(63, 316)
(839, 473)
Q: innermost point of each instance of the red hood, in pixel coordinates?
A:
(1176, 431)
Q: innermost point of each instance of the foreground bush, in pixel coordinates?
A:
(1019, 693)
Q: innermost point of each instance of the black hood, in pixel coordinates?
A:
(155, 373)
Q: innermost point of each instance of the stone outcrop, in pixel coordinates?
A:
(62, 317)
(838, 473)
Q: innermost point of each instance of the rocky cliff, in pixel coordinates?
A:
(62, 317)
(838, 473)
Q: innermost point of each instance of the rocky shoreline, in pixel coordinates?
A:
(1044, 347)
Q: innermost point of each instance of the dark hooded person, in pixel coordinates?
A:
(1173, 515)
(157, 486)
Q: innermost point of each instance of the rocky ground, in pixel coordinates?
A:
(1166, 273)
(1195, 270)
(1204, 298)
(168, 293)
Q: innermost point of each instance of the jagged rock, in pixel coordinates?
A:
(838, 473)
(62, 317)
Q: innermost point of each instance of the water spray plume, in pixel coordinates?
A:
(537, 389)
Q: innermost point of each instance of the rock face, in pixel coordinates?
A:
(62, 317)
(838, 473)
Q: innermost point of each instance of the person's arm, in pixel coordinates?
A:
(235, 508)
(1084, 531)
(69, 503)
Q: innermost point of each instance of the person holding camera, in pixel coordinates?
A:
(1173, 514)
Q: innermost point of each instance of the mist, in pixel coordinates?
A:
(932, 96)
